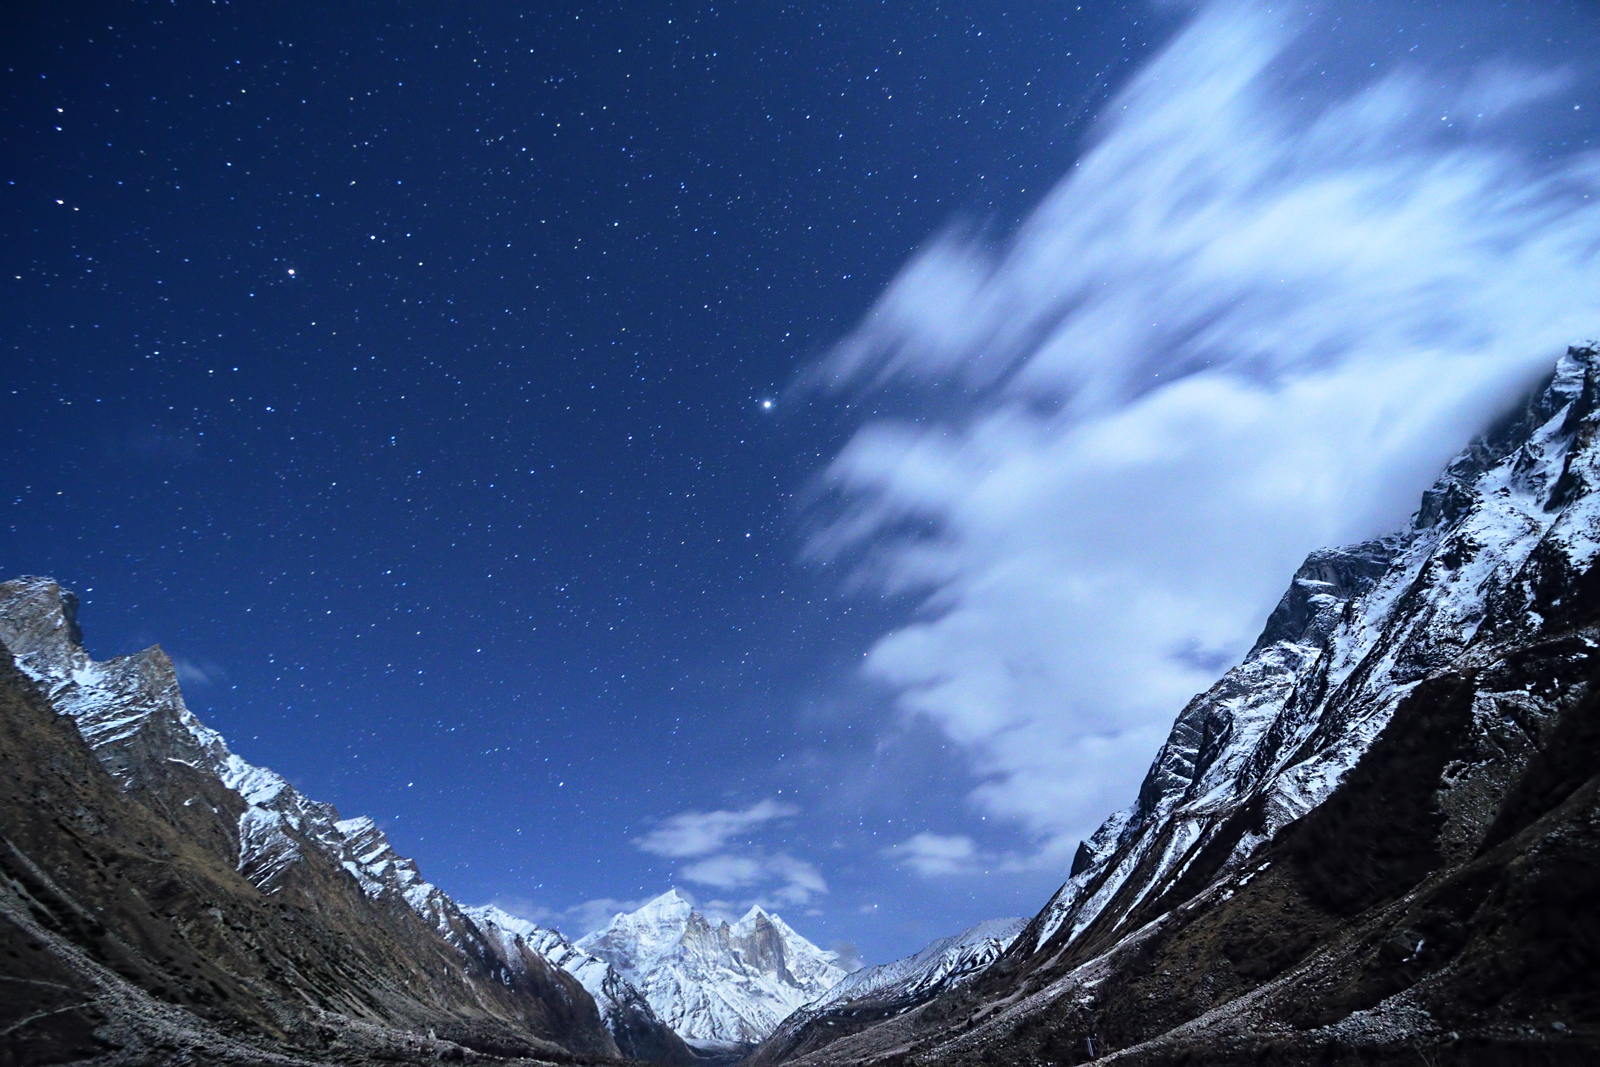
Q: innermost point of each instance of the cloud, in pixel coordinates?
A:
(725, 872)
(696, 833)
(934, 855)
(1252, 321)
(706, 837)
(196, 673)
(797, 881)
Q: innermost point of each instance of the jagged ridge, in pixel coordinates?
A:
(874, 993)
(342, 926)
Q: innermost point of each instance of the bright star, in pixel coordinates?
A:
(766, 405)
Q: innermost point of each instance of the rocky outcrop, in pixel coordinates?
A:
(166, 898)
(1374, 839)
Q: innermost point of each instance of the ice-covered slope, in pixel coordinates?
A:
(873, 993)
(715, 985)
(638, 1031)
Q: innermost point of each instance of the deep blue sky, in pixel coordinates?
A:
(399, 368)
(402, 369)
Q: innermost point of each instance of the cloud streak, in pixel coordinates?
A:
(936, 855)
(697, 833)
(1249, 323)
(725, 859)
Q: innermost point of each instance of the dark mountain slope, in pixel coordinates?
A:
(1377, 839)
(129, 925)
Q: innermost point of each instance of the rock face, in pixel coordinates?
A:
(163, 896)
(871, 994)
(723, 985)
(1377, 838)
(638, 1031)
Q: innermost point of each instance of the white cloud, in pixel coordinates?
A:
(1245, 326)
(197, 673)
(788, 880)
(697, 833)
(725, 872)
(723, 862)
(934, 855)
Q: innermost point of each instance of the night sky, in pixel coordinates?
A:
(404, 371)
(437, 384)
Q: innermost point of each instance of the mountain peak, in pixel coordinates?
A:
(670, 899)
(716, 984)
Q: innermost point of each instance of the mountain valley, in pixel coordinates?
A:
(1375, 840)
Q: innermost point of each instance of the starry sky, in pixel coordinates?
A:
(429, 380)
(401, 369)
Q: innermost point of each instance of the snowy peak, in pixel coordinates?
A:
(722, 983)
(639, 1033)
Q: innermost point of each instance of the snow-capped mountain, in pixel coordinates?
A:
(131, 712)
(727, 984)
(1358, 629)
(1370, 841)
(872, 993)
(638, 1031)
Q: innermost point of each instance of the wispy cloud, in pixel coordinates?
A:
(1250, 322)
(697, 833)
(785, 879)
(726, 858)
(935, 855)
(196, 673)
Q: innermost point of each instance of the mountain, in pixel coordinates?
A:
(866, 996)
(1377, 839)
(723, 985)
(167, 899)
(639, 1033)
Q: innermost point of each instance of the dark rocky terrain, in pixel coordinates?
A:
(138, 925)
(1375, 841)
